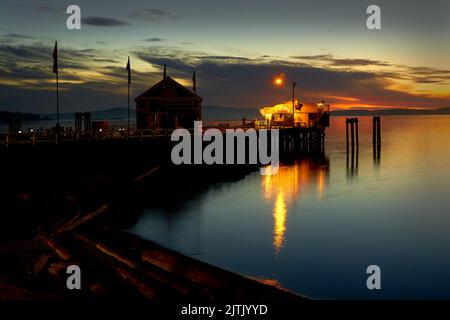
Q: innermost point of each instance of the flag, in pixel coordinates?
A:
(129, 71)
(194, 82)
(55, 58)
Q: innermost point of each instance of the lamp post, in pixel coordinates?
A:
(279, 82)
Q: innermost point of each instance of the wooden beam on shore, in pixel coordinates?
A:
(162, 278)
(147, 291)
(80, 220)
(147, 174)
(185, 268)
(60, 252)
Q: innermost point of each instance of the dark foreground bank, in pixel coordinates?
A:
(65, 206)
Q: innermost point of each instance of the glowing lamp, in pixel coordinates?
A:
(278, 81)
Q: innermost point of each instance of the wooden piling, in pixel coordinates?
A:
(354, 137)
(379, 137)
(346, 131)
(352, 129)
(376, 137)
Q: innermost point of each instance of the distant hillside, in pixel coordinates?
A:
(107, 114)
(209, 113)
(6, 116)
(214, 113)
(390, 112)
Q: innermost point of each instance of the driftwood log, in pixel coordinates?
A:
(135, 274)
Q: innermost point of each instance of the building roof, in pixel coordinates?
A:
(168, 87)
(278, 108)
(287, 108)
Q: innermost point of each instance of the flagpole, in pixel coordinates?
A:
(129, 82)
(57, 102)
(128, 109)
(55, 70)
(194, 88)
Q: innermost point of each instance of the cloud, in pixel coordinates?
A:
(428, 75)
(357, 62)
(154, 40)
(223, 59)
(91, 79)
(105, 60)
(13, 38)
(151, 14)
(245, 82)
(17, 36)
(88, 81)
(337, 62)
(44, 8)
(319, 57)
(103, 22)
(22, 52)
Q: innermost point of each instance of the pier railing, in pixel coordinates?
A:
(47, 136)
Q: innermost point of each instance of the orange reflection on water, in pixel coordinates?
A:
(279, 218)
(283, 188)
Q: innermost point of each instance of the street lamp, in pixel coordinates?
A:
(279, 81)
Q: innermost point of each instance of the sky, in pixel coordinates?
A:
(237, 48)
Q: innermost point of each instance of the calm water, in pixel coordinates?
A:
(316, 226)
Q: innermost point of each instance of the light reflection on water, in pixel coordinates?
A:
(316, 225)
(283, 189)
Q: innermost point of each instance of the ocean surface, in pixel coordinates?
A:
(316, 226)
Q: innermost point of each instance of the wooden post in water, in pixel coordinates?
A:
(379, 137)
(346, 130)
(352, 129)
(376, 137)
(354, 133)
(346, 135)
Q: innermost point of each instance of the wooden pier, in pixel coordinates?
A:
(301, 141)
(292, 140)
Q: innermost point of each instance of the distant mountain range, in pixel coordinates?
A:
(216, 113)
(6, 116)
(209, 113)
(391, 112)
(213, 113)
(107, 114)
